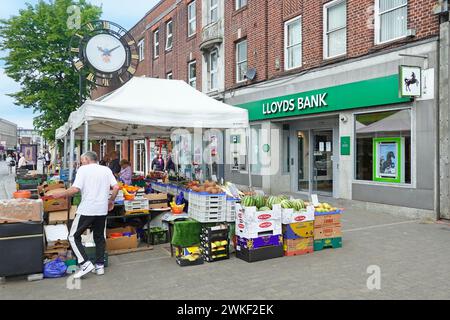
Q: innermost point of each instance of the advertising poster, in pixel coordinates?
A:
(388, 160)
(387, 157)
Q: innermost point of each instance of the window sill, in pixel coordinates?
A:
(237, 11)
(384, 184)
(191, 37)
(169, 50)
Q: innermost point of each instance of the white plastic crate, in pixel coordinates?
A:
(213, 215)
(207, 200)
(160, 187)
(231, 210)
(173, 190)
(136, 205)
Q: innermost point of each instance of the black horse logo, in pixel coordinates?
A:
(389, 164)
(411, 81)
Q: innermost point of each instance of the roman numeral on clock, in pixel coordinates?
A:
(132, 42)
(121, 80)
(135, 57)
(90, 77)
(105, 25)
(131, 70)
(79, 65)
(76, 50)
(105, 82)
(90, 26)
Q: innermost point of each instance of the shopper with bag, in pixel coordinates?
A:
(94, 182)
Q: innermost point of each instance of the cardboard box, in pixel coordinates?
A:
(157, 200)
(327, 232)
(298, 230)
(250, 214)
(327, 220)
(21, 210)
(56, 235)
(258, 229)
(256, 243)
(121, 243)
(59, 185)
(298, 244)
(58, 216)
(73, 212)
(261, 254)
(289, 216)
(327, 243)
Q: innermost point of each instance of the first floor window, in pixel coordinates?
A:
(141, 47)
(391, 19)
(213, 10)
(293, 43)
(192, 74)
(139, 156)
(335, 37)
(118, 149)
(156, 44)
(383, 146)
(241, 60)
(212, 70)
(169, 76)
(192, 19)
(240, 4)
(169, 35)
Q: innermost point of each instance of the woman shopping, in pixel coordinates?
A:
(125, 172)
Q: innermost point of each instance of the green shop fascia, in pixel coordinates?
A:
(363, 94)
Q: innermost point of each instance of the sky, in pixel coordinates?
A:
(125, 13)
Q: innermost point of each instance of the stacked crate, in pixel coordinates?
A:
(258, 234)
(327, 230)
(207, 208)
(231, 209)
(214, 243)
(298, 231)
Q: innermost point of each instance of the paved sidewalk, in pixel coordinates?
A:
(413, 257)
(7, 182)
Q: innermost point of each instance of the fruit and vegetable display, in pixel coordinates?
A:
(129, 192)
(156, 175)
(207, 186)
(266, 203)
(325, 207)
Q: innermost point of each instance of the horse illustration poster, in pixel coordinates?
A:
(410, 81)
(387, 161)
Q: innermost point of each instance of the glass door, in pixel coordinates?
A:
(322, 164)
(303, 161)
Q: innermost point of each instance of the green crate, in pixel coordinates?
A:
(90, 251)
(28, 181)
(327, 243)
(157, 236)
(139, 183)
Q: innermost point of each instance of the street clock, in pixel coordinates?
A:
(104, 53)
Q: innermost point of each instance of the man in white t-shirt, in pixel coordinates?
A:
(94, 182)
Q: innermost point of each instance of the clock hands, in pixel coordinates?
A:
(114, 49)
(107, 52)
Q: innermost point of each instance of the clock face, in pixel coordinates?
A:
(104, 53)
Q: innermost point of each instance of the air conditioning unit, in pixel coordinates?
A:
(411, 33)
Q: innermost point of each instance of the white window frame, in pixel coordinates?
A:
(118, 148)
(143, 161)
(240, 4)
(169, 35)
(211, 9)
(211, 72)
(326, 32)
(194, 79)
(286, 54)
(192, 19)
(377, 28)
(238, 63)
(169, 75)
(141, 47)
(156, 44)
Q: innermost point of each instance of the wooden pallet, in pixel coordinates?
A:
(125, 251)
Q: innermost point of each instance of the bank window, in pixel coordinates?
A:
(192, 74)
(169, 35)
(391, 20)
(241, 60)
(156, 44)
(141, 47)
(335, 29)
(139, 157)
(212, 70)
(240, 4)
(213, 11)
(293, 43)
(192, 19)
(255, 149)
(383, 146)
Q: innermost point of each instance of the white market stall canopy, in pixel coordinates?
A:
(145, 107)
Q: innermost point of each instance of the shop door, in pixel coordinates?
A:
(322, 163)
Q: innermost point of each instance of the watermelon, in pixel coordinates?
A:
(248, 201)
(298, 204)
(259, 201)
(286, 204)
(273, 200)
(264, 209)
(283, 197)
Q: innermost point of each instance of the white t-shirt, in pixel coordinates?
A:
(95, 182)
(22, 162)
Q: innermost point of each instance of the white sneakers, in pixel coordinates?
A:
(85, 268)
(99, 269)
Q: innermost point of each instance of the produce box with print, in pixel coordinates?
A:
(298, 246)
(157, 200)
(327, 220)
(51, 204)
(21, 210)
(121, 239)
(333, 231)
(260, 242)
(298, 230)
(292, 216)
(258, 229)
(252, 214)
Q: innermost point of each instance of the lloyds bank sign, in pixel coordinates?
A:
(367, 93)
